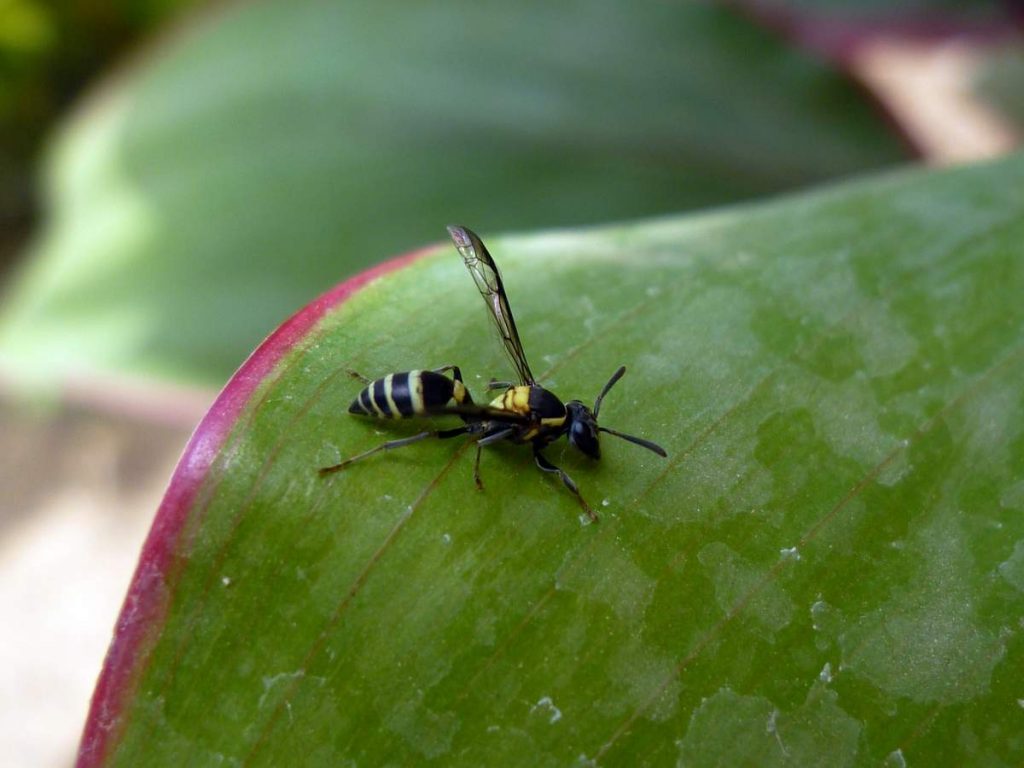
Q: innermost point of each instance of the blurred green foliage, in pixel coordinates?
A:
(964, 10)
(1000, 82)
(48, 52)
(260, 156)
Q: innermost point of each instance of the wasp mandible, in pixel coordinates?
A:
(524, 412)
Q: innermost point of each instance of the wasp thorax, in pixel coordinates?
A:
(583, 429)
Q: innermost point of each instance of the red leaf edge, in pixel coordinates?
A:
(837, 36)
(146, 602)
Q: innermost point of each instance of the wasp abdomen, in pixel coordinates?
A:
(411, 393)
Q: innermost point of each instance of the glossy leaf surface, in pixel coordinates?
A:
(828, 568)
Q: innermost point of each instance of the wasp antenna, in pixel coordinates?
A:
(635, 440)
(611, 383)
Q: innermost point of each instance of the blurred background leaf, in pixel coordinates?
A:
(1001, 82)
(273, 148)
(827, 570)
(839, 10)
(49, 51)
(949, 73)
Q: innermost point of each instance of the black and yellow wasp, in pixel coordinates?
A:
(523, 413)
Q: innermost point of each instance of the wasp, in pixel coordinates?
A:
(524, 412)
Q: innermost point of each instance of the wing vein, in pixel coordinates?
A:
(488, 281)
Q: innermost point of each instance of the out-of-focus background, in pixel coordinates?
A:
(176, 177)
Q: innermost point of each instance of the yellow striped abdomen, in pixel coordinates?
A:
(411, 393)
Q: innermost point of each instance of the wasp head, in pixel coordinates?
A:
(583, 429)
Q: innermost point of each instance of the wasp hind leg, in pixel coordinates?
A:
(456, 371)
(567, 481)
(457, 375)
(392, 444)
(358, 376)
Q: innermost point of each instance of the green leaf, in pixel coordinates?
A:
(280, 147)
(827, 570)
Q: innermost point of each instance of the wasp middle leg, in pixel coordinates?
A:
(487, 439)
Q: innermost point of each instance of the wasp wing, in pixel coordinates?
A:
(488, 281)
(474, 412)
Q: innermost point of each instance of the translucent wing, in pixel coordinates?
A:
(480, 413)
(488, 281)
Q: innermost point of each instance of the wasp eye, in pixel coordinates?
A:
(583, 435)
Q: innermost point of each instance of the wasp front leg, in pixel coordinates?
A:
(358, 376)
(567, 481)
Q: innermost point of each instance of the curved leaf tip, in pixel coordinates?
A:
(146, 599)
(831, 547)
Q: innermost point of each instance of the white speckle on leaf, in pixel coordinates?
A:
(958, 661)
(447, 538)
(826, 673)
(773, 730)
(585, 519)
(1012, 569)
(896, 758)
(818, 609)
(492, 728)
(226, 581)
(1020, 703)
(790, 553)
(546, 703)
(605, 502)
(1012, 497)
(386, 497)
(737, 580)
(269, 681)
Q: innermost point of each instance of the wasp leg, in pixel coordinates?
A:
(358, 376)
(567, 481)
(476, 469)
(487, 439)
(392, 444)
(496, 437)
(494, 384)
(457, 373)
